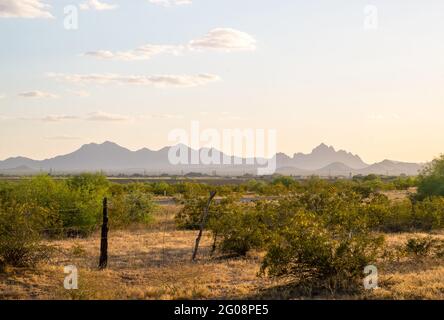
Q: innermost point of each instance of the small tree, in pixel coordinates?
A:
(189, 216)
(314, 256)
(132, 207)
(431, 180)
(240, 227)
(428, 214)
(19, 242)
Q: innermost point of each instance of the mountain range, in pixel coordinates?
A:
(113, 159)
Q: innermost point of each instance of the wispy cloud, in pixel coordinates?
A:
(170, 3)
(97, 5)
(224, 39)
(37, 94)
(219, 39)
(93, 116)
(24, 9)
(107, 117)
(98, 116)
(141, 53)
(2, 96)
(104, 116)
(57, 118)
(155, 80)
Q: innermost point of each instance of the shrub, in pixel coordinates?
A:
(190, 215)
(91, 184)
(71, 207)
(376, 210)
(189, 189)
(83, 213)
(384, 215)
(431, 180)
(132, 207)
(317, 257)
(240, 226)
(429, 214)
(420, 246)
(161, 188)
(255, 186)
(404, 183)
(19, 242)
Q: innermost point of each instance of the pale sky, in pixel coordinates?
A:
(136, 69)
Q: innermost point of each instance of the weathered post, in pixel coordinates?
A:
(103, 262)
(203, 222)
(213, 247)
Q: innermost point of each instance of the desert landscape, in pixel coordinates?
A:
(153, 231)
(155, 264)
(224, 157)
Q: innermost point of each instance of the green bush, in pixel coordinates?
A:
(189, 217)
(162, 188)
(71, 207)
(377, 211)
(20, 244)
(132, 207)
(420, 246)
(429, 214)
(240, 227)
(404, 182)
(314, 256)
(431, 180)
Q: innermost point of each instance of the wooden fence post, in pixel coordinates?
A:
(103, 262)
(203, 222)
(213, 247)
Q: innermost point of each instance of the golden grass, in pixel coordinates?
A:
(399, 195)
(144, 263)
(410, 277)
(155, 263)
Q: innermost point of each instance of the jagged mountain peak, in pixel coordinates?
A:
(106, 144)
(115, 158)
(322, 148)
(324, 155)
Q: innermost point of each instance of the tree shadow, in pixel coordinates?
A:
(413, 264)
(302, 290)
(157, 257)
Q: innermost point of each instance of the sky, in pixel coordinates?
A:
(363, 76)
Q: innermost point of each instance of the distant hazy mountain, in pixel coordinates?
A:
(335, 169)
(321, 157)
(112, 158)
(386, 167)
(21, 170)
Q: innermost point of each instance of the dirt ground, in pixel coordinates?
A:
(155, 263)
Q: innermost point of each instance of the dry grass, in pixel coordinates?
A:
(410, 277)
(399, 195)
(144, 263)
(155, 263)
